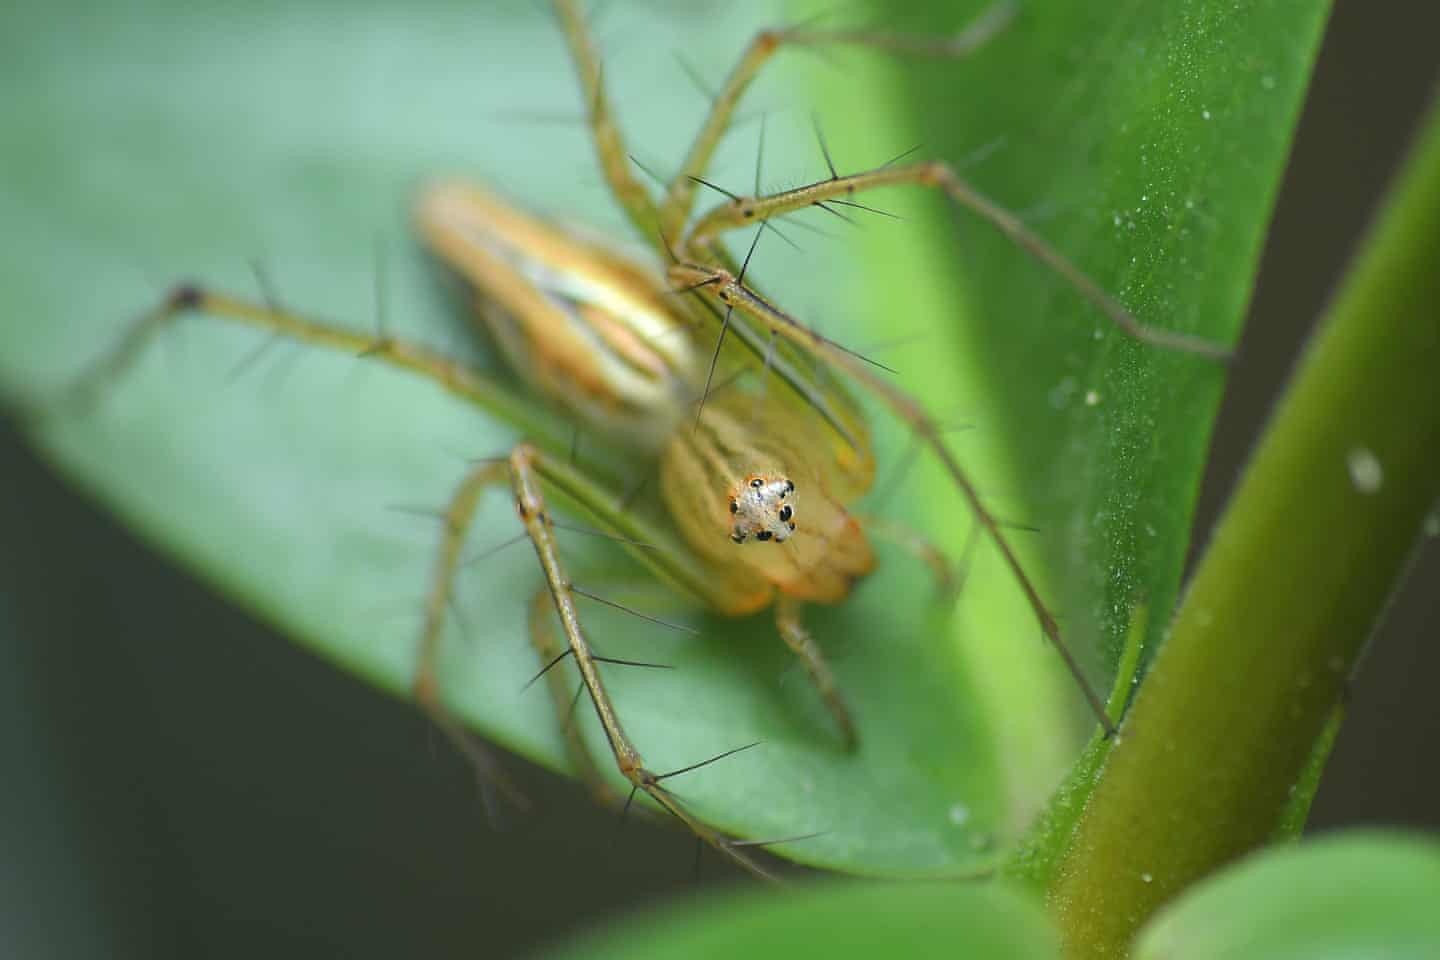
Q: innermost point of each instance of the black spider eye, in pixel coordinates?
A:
(757, 483)
(785, 513)
(764, 535)
(789, 486)
(734, 506)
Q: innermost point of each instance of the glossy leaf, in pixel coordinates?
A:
(1360, 894)
(172, 140)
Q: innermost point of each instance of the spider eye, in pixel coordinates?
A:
(757, 483)
(738, 537)
(785, 512)
(789, 486)
(734, 506)
(764, 535)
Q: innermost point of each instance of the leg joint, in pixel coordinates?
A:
(185, 296)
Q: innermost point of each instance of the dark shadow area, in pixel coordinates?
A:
(1376, 74)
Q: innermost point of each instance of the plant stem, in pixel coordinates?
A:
(1300, 569)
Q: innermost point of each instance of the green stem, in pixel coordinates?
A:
(1300, 568)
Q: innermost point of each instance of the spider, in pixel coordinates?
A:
(757, 453)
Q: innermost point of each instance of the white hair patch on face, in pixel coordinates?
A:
(763, 508)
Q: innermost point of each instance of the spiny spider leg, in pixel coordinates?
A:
(610, 148)
(279, 323)
(528, 468)
(792, 630)
(551, 651)
(680, 196)
(523, 468)
(669, 218)
(698, 242)
(188, 299)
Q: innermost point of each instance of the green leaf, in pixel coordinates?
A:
(1145, 141)
(171, 140)
(831, 920)
(1359, 894)
(1229, 732)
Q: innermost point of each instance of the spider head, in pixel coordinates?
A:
(762, 508)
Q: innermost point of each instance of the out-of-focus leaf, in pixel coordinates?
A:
(1362, 894)
(857, 920)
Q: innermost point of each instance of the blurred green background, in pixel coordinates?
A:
(273, 818)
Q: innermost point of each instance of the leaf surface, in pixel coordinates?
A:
(171, 141)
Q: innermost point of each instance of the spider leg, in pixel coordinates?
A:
(792, 630)
(523, 470)
(919, 547)
(680, 194)
(740, 212)
(530, 472)
(188, 299)
(666, 220)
